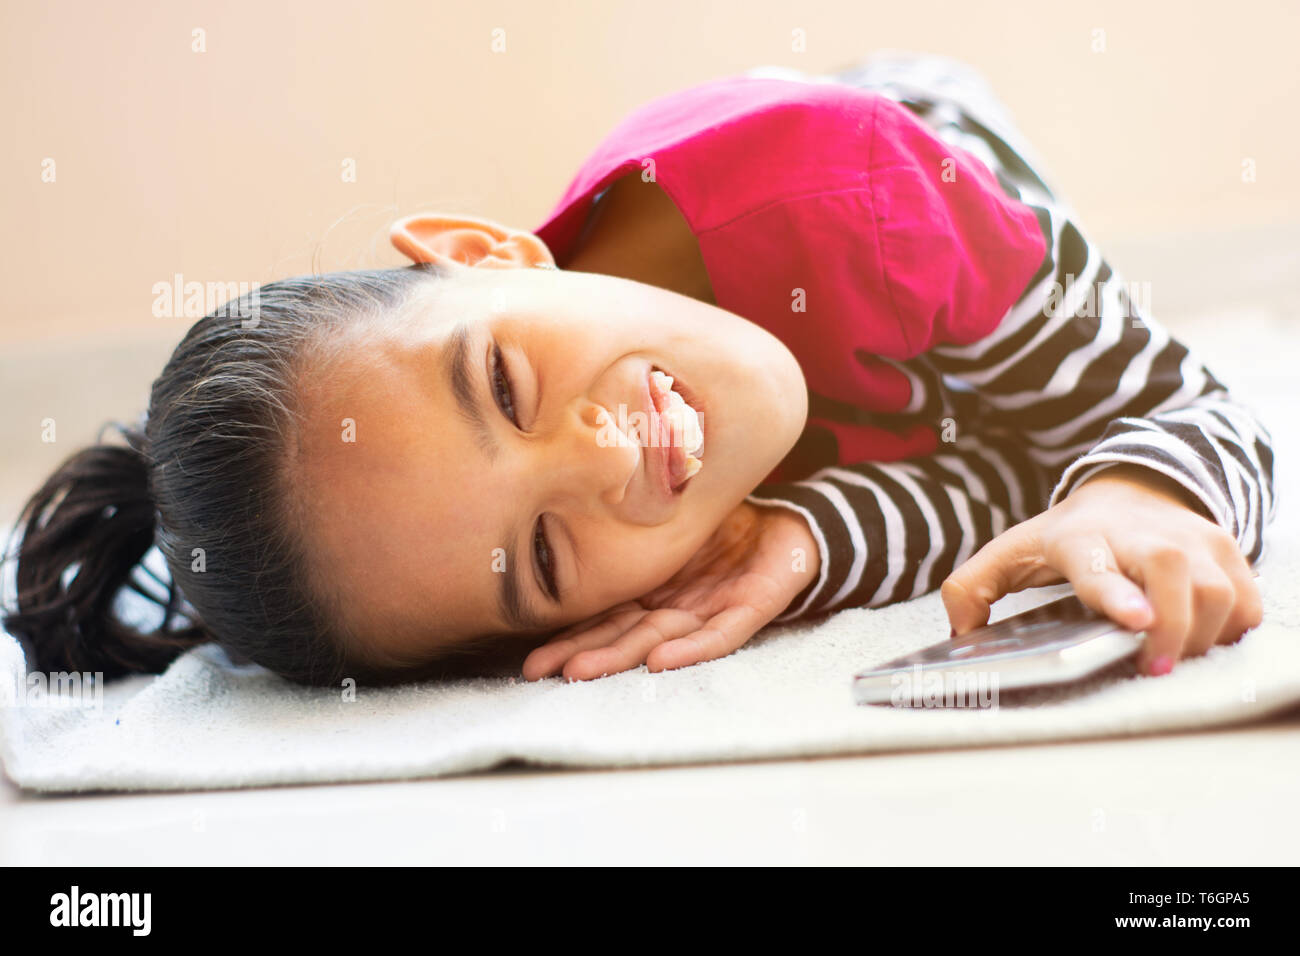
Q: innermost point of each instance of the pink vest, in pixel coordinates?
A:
(833, 218)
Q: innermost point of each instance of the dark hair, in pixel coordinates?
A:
(205, 481)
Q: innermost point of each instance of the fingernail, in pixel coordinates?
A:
(1161, 665)
(1136, 602)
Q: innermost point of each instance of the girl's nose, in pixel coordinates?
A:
(593, 455)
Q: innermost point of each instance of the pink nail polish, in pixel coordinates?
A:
(1161, 665)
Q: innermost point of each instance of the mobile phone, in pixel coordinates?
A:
(1055, 643)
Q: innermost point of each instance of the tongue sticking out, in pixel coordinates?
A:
(684, 422)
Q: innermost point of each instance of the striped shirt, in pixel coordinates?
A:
(1077, 377)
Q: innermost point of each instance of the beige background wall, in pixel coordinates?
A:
(226, 165)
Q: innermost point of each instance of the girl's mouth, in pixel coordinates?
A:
(677, 433)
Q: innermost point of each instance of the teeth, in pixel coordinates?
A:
(685, 417)
(693, 465)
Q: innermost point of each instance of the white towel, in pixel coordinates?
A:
(207, 724)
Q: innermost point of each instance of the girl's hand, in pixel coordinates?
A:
(741, 578)
(1126, 531)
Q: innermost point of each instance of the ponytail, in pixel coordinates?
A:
(82, 535)
(208, 475)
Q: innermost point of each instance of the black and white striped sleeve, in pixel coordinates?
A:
(1082, 373)
(1076, 378)
(890, 531)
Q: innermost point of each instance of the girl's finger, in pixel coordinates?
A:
(1167, 581)
(1007, 563)
(721, 635)
(1213, 595)
(1247, 607)
(631, 648)
(1090, 566)
(545, 660)
(595, 620)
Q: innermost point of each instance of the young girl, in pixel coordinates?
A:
(812, 343)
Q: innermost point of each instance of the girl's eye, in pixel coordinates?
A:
(542, 550)
(501, 389)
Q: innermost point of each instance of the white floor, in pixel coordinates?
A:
(1222, 798)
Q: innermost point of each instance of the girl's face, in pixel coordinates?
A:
(473, 464)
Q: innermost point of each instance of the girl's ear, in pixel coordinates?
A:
(467, 241)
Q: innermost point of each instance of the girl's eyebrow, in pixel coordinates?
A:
(511, 606)
(510, 603)
(456, 365)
